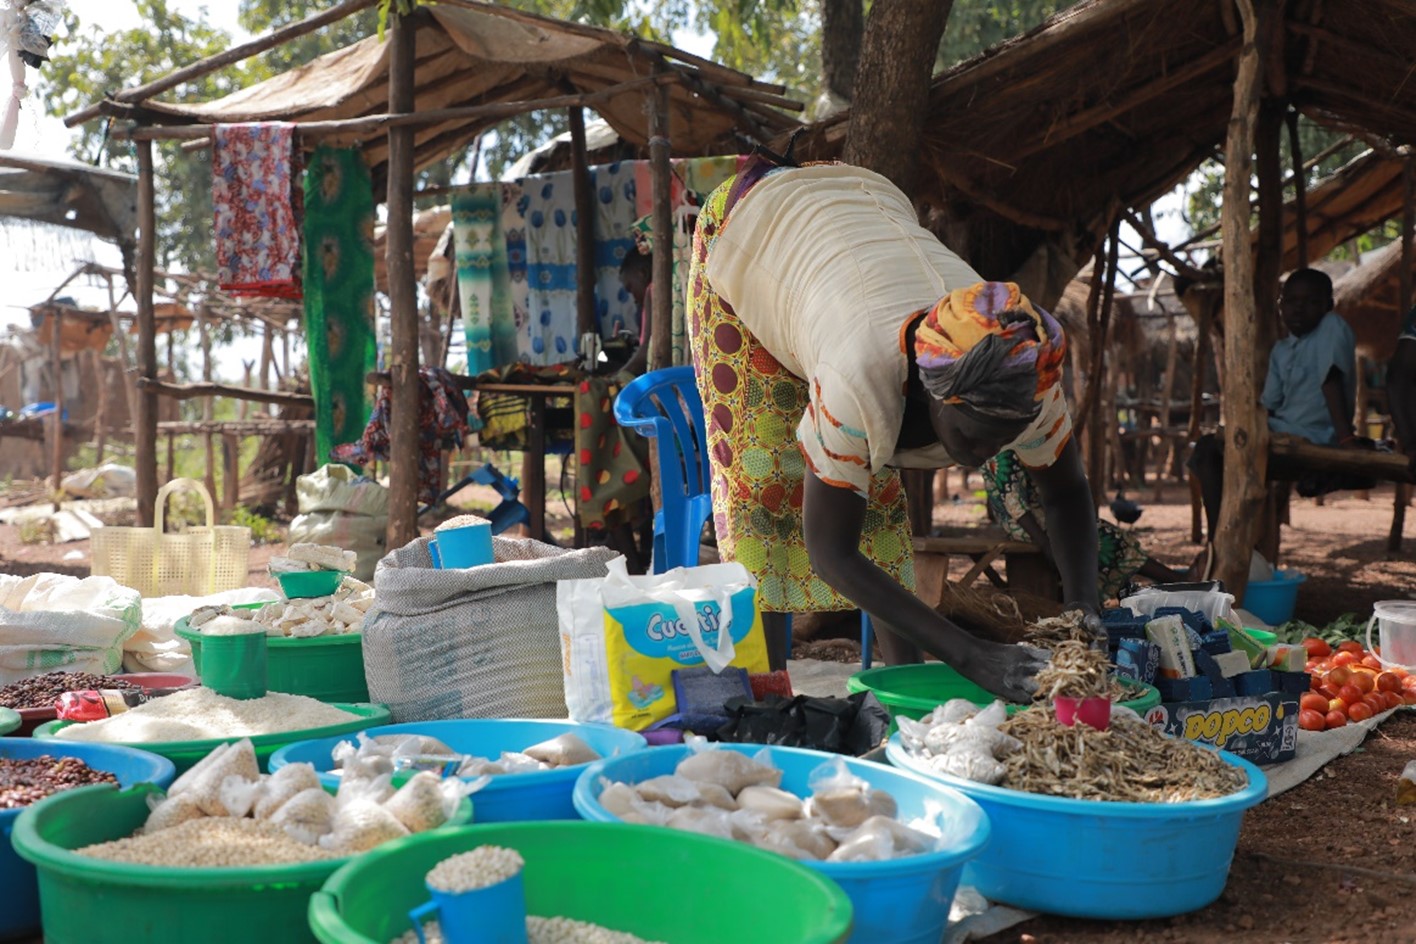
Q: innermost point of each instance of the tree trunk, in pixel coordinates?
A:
(842, 26)
(1246, 427)
(891, 98)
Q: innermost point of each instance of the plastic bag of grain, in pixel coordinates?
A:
(475, 642)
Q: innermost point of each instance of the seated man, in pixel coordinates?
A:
(1310, 390)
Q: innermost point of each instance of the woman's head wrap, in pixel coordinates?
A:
(988, 348)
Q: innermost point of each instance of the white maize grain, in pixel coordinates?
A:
(481, 868)
(209, 843)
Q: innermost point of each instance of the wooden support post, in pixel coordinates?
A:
(267, 360)
(204, 336)
(145, 423)
(533, 467)
(1168, 446)
(172, 372)
(1246, 440)
(584, 229)
(231, 470)
(1408, 233)
(100, 421)
(1268, 255)
(404, 432)
(1300, 189)
(660, 345)
(56, 425)
(125, 363)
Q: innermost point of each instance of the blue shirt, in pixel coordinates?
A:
(1293, 390)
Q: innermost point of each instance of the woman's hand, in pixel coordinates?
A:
(1007, 671)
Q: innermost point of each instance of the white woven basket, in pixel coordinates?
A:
(196, 562)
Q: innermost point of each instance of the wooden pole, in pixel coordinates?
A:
(1167, 394)
(171, 370)
(204, 336)
(1300, 189)
(267, 359)
(125, 363)
(661, 347)
(56, 425)
(584, 228)
(404, 432)
(1408, 225)
(1246, 440)
(145, 424)
(1268, 266)
(100, 422)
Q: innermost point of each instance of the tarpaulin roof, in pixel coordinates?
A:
(66, 193)
(470, 54)
(1115, 101)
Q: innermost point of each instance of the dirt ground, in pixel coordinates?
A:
(1332, 861)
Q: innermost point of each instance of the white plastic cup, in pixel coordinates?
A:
(1396, 621)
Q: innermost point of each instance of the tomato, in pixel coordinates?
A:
(1349, 694)
(1337, 704)
(1344, 658)
(1393, 700)
(1372, 662)
(1408, 698)
(1374, 701)
(1312, 701)
(1315, 681)
(1352, 646)
(1311, 720)
(1317, 649)
(1360, 712)
(1388, 682)
(1327, 692)
(1363, 682)
(1409, 683)
(1338, 677)
(1336, 719)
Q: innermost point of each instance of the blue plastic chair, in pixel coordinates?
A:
(665, 405)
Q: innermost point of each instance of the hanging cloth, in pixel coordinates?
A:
(549, 208)
(483, 277)
(339, 293)
(613, 187)
(256, 209)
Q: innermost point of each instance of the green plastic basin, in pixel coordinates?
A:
(303, 584)
(186, 753)
(9, 720)
(915, 690)
(93, 901)
(330, 668)
(659, 884)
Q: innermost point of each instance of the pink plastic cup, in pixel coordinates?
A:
(1094, 712)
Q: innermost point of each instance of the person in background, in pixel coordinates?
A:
(637, 277)
(836, 341)
(1310, 390)
(1014, 503)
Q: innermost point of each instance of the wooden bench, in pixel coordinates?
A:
(1025, 568)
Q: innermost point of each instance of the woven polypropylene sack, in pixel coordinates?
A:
(479, 642)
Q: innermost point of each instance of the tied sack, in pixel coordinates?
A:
(472, 642)
(622, 637)
(52, 622)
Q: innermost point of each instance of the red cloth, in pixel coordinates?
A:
(256, 209)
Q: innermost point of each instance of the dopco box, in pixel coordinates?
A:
(1262, 729)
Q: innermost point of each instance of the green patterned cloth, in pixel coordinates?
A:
(483, 277)
(339, 293)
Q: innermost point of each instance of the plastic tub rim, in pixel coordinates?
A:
(966, 849)
(184, 631)
(163, 767)
(1141, 689)
(527, 779)
(1251, 795)
(376, 717)
(327, 900)
(38, 851)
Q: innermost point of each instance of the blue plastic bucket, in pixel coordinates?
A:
(901, 901)
(1273, 601)
(543, 794)
(20, 915)
(1092, 859)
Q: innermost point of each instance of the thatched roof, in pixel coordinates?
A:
(1116, 101)
(471, 54)
(66, 193)
(1355, 199)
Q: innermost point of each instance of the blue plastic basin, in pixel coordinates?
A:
(1273, 601)
(901, 901)
(20, 914)
(542, 795)
(1093, 859)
